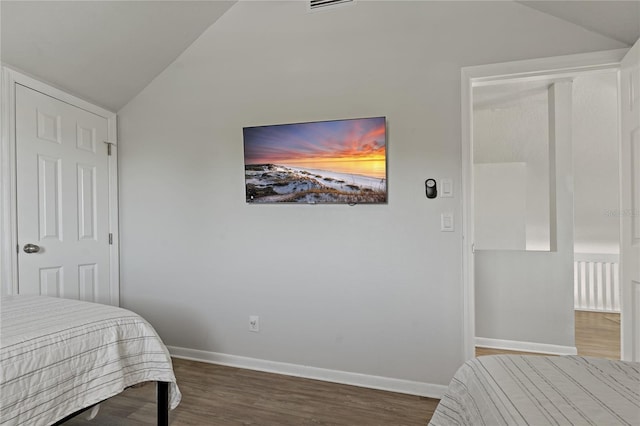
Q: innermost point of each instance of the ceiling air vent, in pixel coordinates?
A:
(326, 4)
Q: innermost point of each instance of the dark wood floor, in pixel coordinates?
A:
(218, 395)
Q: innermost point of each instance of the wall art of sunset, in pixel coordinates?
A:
(340, 161)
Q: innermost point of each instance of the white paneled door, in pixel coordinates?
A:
(62, 180)
(630, 203)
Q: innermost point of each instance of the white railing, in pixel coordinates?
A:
(596, 282)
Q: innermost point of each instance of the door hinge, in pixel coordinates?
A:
(473, 248)
(110, 238)
(108, 148)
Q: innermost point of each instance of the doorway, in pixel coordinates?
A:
(58, 198)
(514, 151)
(535, 251)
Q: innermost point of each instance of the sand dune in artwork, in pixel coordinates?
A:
(272, 183)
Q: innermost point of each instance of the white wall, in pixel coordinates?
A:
(500, 206)
(595, 127)
(365, 289)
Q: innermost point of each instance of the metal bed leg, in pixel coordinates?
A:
(163, 404)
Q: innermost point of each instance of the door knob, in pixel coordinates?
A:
(31, 248)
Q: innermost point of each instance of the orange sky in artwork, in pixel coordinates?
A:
(341, 141)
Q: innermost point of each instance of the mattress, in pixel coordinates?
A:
(538, 390)
(58, 356)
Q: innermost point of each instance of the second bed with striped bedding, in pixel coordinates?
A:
(539, 390)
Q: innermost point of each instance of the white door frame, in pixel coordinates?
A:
(8, 205)
(528, 70)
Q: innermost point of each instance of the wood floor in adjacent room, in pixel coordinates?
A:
(597, 334)
(218, 395)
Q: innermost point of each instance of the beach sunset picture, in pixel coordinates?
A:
(340, 161)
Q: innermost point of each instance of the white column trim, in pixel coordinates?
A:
(8, 222)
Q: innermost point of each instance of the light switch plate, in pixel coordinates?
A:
(446, 188)
(446, 222)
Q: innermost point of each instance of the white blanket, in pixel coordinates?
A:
(537, 390)
(58, 356)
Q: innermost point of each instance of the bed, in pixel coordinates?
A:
(539, 390)
(61, 356)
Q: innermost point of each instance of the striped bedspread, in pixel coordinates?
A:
(58, 356)
(536, 390)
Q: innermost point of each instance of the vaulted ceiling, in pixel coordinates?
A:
(107, 51)
(619, 20)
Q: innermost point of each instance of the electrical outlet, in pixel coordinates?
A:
(254, 323)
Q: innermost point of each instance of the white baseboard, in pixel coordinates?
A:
(344, 377)
(601, 311)
(514, 345)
